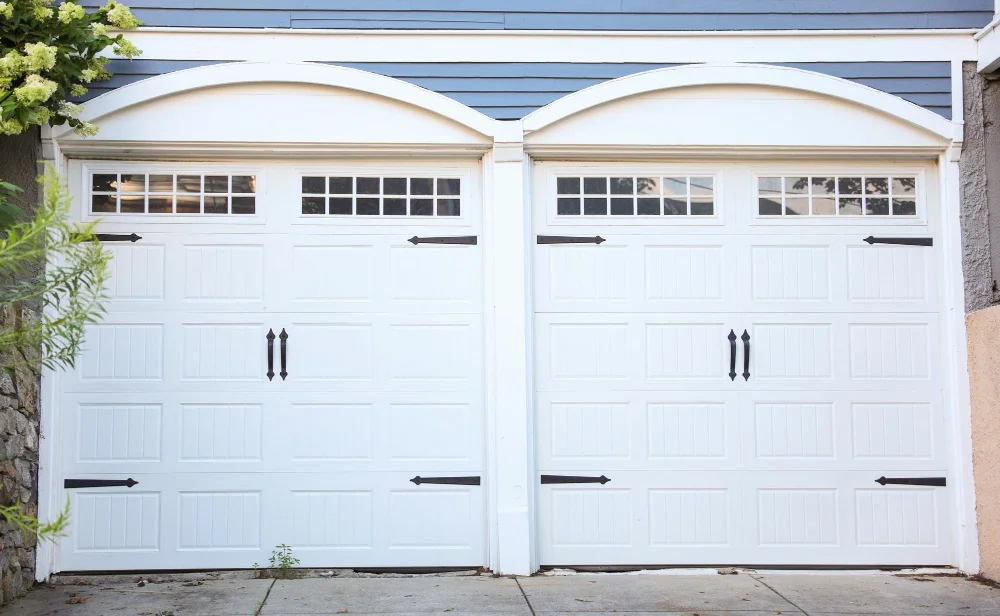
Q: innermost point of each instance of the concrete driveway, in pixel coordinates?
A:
(746, 593)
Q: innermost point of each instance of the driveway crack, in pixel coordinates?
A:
(525, 595)
(263, 602)
(771, 588)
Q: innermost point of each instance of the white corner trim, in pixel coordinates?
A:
(738, 74)
(988, 47)
(280, 72)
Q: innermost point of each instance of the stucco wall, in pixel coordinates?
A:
(19, 409)
(984, 379)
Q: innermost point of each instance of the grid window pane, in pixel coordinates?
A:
(394, 186)
(421, 186)
(862, 195)
(216, 205)
(161, 183)
(568, 206)
(161, 204)
(368, 206)
(133, 204)
(133, 183)
(188, 204)
(341, 186)
(341, 206)
(104, 182)
(313, 205)
(568, 186)
(595, 186)
(244, 205)
(394, 207)
(635, 196)
(104, 203)
(216, 183)
(313, 185)
(449, 186)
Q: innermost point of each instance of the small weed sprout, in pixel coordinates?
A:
(281, 565)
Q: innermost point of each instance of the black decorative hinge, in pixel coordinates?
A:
(904, 241)
(99, 483)
(456, 481)
(115, 237)
(569, 239)
(471, 240)
(574, 479)
(912, 481)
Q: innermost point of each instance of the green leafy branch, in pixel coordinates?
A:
(29, 525)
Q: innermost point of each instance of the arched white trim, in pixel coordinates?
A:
(279, 72)
(739, 74)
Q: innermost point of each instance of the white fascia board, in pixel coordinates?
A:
(988, 40)
(549, 46)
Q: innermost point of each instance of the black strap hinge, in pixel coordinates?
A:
(470, 240)
(569, 239)
(99, 483)
(912, 481)
(546, 479)
(457, 481)
(902, 241)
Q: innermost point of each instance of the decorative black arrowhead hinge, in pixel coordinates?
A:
(456, 481)
(115, 237)
(904, 241)
(574, 479)
(912, 481)
(471, 240)
(99, 483)
(569, 239)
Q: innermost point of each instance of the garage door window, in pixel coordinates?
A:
(172, 193)
(847, 196)
(381, 196)
(635, 196)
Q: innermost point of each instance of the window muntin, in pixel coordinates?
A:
(173, 193)
(846, 196)
(381, 196)
(635, 196)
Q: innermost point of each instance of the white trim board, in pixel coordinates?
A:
(547, 46)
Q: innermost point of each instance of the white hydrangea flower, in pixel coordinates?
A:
(39, 56)
(85, 129)
(69, 109)
(121, 16)
(88, 75)
(36, 89)
(6, 10)
(12, 64)
(99, 29)
(10, 127)
(77, 90)
(127, 49)
(68, 11)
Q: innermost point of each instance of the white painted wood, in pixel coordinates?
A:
(385, 382)
(845, 384)
(268, 44)
(776, 106)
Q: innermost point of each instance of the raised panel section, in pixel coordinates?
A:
(438, 432)
(591, 517)
(588, 273)
(335, 519)
(433, 274)
(432, 519)
(119, 433)
(889, 351)
(220, 432)
(692, 430)
(590, 431)
(432, 353)
(222, 352)
(219, 520)
(105, 522)
(223, 273)
(685, 351)
(887, 273)
(137, 272)
(896, 517)
(681, 273)
(796, 430)
(589, 351)
(337, 432)
(688, 518)
(790, 273)
(332, 352)
(797, 517)
(333, 273)
(791, 351)
(897, 431)
(122, 352)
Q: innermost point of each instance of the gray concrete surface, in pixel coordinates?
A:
(747, 593)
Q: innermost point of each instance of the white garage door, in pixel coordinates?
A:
(281, 364)
(725, 368)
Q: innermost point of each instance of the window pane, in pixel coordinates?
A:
(448, 207)
(797, 186)
(394, 186)
(368, 186)
(877, 206)
(849, 186)
(448, 186)
(161, 205)
(904, 207)
(648, 206)
(769, 207)
(244, 205)
(244, 184)
(675, 186)
(621, 186)
(850, 207)
(341, 206)
(701, 206)
(701, 186)
(421, 207)
(161, 183)
(824, 186)
(188, 204)
(621, 206)
(216, 183)
(104, 182)
(904, 186)
(367, 206)
(595, 206)
(313, 185)
(568, 186)
(104, 203)
(567, 206)
(216, 205)
(769, 186)
(824, 206)
(422, 186)
(313, 205)
(595, 186)
(132, 182)
(877, 186)
(797, 206)
(133, 204)
(189, 183)
(394, 207)
(647, 186)
(675, 207)
(341, 186)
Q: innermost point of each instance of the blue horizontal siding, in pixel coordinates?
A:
(566, 14)
(507, 90)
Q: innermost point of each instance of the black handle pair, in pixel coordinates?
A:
(270, 353)
(746, 355)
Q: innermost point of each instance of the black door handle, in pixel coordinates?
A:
(270, 354)
(746, 355)
(284, 353)
(732, 355)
